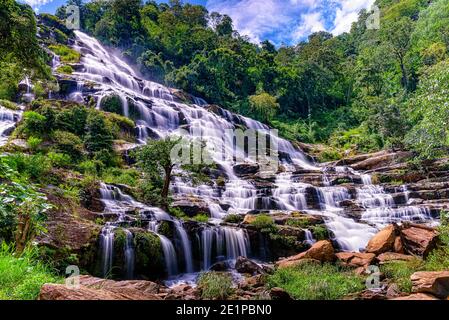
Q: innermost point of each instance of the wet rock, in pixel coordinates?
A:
(419, 240)
(382, 241)
(220, 266)
(287, 231)
(245, 265)
(192, 207)
(246, 169)
(279, 294)
(434, 283)
(354, 259)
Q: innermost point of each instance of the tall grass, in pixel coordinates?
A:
(312, 281)
(215, 285)
(21, 277)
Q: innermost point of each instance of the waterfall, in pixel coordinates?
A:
(159, 113)
(186, 246)
(309, 237)
(237, 243)
(8, 120)
(207, 239)
(168, 249)
(129, 255)
(107, 249)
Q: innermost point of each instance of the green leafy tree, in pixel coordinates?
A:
(98, 133)
(264, 105)
(155, 159)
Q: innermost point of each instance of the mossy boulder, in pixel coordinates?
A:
(149, 257)
(112, 103)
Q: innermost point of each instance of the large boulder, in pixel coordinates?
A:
(100, 289)
(322, 251)
(355, 259)
(382, 241)
(245, 265)
(419, 240)
(434, 283)
(246, 169)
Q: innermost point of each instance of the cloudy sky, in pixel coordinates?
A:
(281, 21)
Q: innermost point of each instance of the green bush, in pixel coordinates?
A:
(107, 157)
(215, 285)
(66, 54)
(65, 69)
(177, 213)
(202, 218)
(311, 281)
(98, 134)
(233, 218)
(21, 277)
(8, 104)
(92, 167)
(264, 223)
(34, 124)
(68, 143)
(59, 160)
(72, 119)
(34, 143)
(319, 232)
(35, 167)
(127, 177)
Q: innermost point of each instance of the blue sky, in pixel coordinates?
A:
(280, 21)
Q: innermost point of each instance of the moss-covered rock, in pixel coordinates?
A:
(113, 104)
(149, 259)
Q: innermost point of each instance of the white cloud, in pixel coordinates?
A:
(310, 23)
(347, 13)
(256, 18)
(37, 3)
(289, 20)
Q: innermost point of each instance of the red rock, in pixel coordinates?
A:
(322, 251)
(398, 247)
(382, 241)
(434, 283)
(419, 240)
(354, 259)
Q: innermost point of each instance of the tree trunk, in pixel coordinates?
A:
(22, 232)
(404, 74)
(166, 187)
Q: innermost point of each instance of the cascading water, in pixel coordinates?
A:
(129, 255)
(159, 113)
(223, 244)
(107, 249)
(8, 120)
